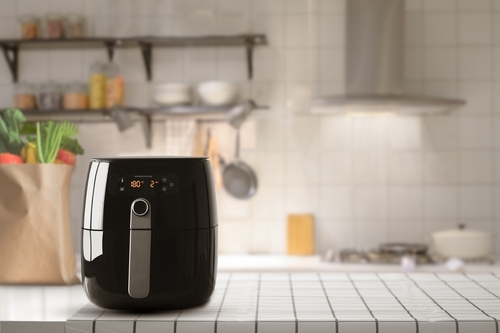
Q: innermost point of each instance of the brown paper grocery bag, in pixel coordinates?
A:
(35, 225)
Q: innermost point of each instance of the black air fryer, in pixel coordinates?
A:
(149, 234)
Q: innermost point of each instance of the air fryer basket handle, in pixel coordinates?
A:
(139, 249)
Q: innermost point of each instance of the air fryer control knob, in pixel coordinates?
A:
(140, 207)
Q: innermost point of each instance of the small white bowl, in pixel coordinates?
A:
(173, 94)
(218, 93)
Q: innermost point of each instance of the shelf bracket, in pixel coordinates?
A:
(249, 51)
(147, 127)
(147, 56)
(11, 54)
(110, 48)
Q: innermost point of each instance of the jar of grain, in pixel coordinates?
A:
(97, 86)
(29, 27)
(76, 96)
(25, 96)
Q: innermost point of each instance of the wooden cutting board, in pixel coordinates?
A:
(300, 234)
(213, 155)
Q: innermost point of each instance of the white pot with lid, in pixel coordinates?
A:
(462, 243)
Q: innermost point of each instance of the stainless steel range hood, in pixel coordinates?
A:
(375, 64)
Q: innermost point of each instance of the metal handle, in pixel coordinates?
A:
(140, 249)
(237, 145)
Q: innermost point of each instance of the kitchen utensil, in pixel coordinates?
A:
(462, 243)
(213, 155)
(198, 149)
(407, 252)
(300, 234)
(122, 119)
(149, 233)
(173, 94)
(238, 177)
(237, 115)
(403, 248)
(217, 93)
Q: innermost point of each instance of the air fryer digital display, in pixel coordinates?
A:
(148, 184)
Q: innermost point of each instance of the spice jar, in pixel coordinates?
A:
(114, 86)
(24, 96)
(76, 96)
(74, 26)
(97, 86)
(50, 96)
(53, 26)
(29, 27)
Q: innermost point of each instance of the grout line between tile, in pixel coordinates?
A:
(175, 321)
(329, 303)
(397, 299)
(363, 300)
(445, 282)
(480, 285)
(492, 114)
(432, 299)
(94, 322)
(222, 302)
(293, 303)
(257, 305)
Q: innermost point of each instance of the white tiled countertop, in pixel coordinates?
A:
(325, 300)
(321, 303)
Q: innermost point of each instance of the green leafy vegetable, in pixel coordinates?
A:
(49, 136)
(10, 121)
(28, 128)
(72, 145)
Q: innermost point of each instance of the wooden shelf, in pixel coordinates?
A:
(11, 47)
(144, 115)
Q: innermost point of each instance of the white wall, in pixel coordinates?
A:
(366, 180)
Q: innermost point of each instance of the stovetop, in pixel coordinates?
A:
(376, 256)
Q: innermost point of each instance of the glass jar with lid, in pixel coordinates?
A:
(76, 96)
(53, 26)
(50, 96)
(74, 26)
(29, 27)
(97, 86)
(114, 86)
(25, 96)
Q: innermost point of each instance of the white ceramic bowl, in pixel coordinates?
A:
(462, 244)
(218, 92)
(173, 94)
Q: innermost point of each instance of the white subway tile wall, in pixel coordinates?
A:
(366, 180)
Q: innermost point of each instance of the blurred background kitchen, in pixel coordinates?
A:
(366, 180)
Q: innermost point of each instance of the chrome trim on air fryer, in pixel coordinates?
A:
(87, 245)
(139, 251)
(99, 194)
(96, 237)
(87, 214)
